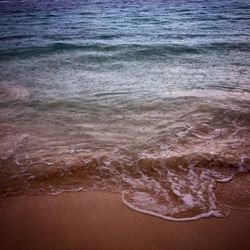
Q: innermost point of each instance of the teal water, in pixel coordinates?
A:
(146, 98)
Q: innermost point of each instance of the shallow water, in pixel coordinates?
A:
(149, 99)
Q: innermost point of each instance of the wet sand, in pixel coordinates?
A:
(99, 220)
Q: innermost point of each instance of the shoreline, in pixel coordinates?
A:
(99, 220)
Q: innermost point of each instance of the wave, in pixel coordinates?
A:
(240, 95)
(125, 51)
(14, 37)
(179, 187)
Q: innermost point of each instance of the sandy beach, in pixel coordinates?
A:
(99, 220)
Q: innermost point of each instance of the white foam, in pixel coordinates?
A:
(188, 200)
(10, 144)
(196, 217)
(12, 91)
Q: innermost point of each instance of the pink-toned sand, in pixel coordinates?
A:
(99, 220)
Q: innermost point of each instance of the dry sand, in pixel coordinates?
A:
(99, 220)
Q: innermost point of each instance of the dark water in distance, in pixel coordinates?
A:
(147, 98)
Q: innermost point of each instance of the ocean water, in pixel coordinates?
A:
(150, 99)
